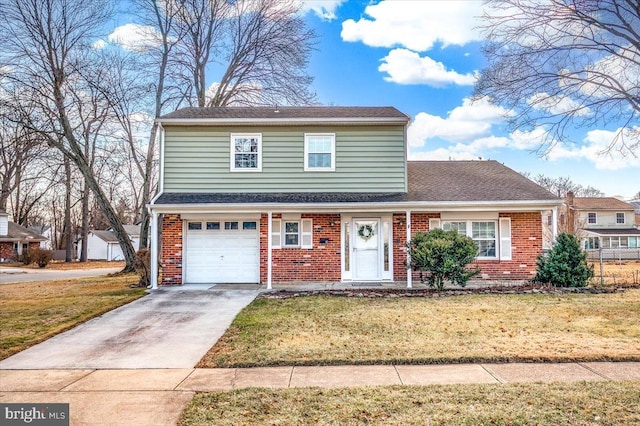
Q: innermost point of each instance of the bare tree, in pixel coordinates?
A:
(47, 45)
(263, 46)
(562, 185)
(565, 64)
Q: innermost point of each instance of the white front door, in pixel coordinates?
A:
(366, 249)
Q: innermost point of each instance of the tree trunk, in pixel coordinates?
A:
(67, 212)
(85, 222)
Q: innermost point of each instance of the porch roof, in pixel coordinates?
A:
(621, 232)
(449, 182)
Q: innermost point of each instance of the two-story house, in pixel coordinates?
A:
(603, 222)
(325, 194)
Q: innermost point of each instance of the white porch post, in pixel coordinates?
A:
(554, 223)
(269, 231)
(409, 277)
(155, 237)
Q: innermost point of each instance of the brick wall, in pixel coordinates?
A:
(321, 263)
(6, 251)
(171, 250)
(526, 244)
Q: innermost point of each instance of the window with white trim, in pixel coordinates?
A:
(319, 152)
(484, 233)
(286, 233)
(592, 218)
(620, 218)
(246, 152)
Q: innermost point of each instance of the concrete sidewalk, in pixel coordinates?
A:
(158, 396)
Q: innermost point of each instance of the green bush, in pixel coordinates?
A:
(443, 256)
(565, 265)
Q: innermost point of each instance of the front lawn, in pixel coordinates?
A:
(34, 311)
(586, 403)
(325, 330)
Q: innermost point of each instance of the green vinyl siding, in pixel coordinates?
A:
(368, 159)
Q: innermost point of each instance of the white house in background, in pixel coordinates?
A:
(104, 245)
(45, 231)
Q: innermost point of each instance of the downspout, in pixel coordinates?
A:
(269, 248)
(554, 223)
(409, 269)
(154, 249)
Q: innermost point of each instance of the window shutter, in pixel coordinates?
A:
(505, 238)
(276, 233)
(434, 224)
(307, 233)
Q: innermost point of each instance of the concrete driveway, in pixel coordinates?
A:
(19, 275)
(170, 328)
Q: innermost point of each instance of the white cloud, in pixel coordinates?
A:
(99, 44)
(470, 121)
(596, 149)
(416, 25)
(135, 37)
(406, 67)
(325, 9)
(557, 104)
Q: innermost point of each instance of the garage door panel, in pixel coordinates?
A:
(222, 256)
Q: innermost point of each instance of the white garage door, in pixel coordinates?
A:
(222, 251)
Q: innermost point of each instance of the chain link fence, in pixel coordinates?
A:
(615, 266)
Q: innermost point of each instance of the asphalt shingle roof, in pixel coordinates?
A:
(318, 112)
(470, 181)
(19, 232)
(601, 203)
(463, 181)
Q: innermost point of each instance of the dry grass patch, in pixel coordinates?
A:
(615, 273)
(34, 311)
(324, 330)
(58, 265)
(602, 403)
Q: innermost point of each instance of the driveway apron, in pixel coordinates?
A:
(165, 329)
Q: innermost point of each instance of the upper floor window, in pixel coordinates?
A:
(620, 218)
(319, 152)
(246, 152)
(592, 218)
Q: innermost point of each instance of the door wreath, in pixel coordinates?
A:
(365, 231)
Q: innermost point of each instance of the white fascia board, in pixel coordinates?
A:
(278, 121)
(514, 206)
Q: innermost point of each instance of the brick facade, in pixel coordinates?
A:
(171, 250)
(322, 263)
(6, 251)
(526, 244)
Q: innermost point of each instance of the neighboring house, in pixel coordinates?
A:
(104, 245)
(15, 239)
(309, 194)
(45, 231)
(603, 222)
(636, 206)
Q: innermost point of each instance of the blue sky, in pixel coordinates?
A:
(422, 57)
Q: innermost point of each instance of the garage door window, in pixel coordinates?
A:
(230, 225)
(249, 225)
(213, 226)
(195, 226)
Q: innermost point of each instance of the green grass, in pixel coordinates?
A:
(33, 312)
(324, 330)
(586, 403)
